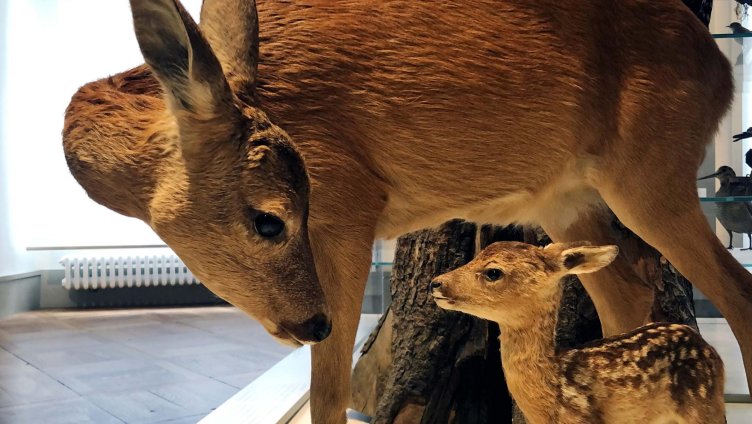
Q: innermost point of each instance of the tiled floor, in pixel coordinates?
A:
(127, 366)
(168, 365)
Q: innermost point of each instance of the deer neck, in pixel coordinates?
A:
(528, 356)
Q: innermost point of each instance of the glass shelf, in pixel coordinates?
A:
(726, 199)
(746, 35)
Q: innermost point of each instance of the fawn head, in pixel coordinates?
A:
(508, 281)
(229, 193)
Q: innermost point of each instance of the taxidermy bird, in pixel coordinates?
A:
(735, 217)
(748, 158)
(743, 135)
(738, 28)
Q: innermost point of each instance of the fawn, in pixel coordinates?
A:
(269, 147)
(658, 373)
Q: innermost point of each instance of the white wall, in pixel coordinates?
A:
(11, 261)
(51, 47)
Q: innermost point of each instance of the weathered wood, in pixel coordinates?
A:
(373, 368)
(674, 302)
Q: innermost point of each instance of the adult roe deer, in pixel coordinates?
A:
(399, 115)
(658, 373)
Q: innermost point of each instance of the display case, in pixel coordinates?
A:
(726, 196)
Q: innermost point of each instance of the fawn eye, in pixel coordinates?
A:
(268, 225)
(493, 274)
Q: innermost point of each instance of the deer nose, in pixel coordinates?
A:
(312, 330)
(433, 285)
(319, 327)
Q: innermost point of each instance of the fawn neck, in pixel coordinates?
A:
(528, 356)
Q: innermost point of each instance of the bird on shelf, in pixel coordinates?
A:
(735, 217)
(738, 28)
(743, 135)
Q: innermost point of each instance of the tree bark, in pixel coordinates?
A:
(445, 365)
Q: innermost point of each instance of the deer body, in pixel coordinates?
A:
(658, 373)
(352, 120)
(412, 118)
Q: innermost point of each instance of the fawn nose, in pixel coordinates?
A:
(433, 285)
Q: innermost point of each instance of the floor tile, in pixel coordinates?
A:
(157, 365)
(25, 384)
(48, 340)
(140, 406)
(738, 413)
(9, 361)
(197, 397)
(29, 322)
(74, 411)
(119, 375)
(70, 356)
(110, 320)
(225, 363)
(193, 419)
(240, 380)
(170, 346)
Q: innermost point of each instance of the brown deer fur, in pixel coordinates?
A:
(658, 373)
(407, 113)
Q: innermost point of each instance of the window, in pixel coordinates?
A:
(51, 48)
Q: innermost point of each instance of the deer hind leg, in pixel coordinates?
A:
(657, 199)
(343, 267)
(622, 299)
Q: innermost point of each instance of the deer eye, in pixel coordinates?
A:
(268, 225)
(493, 274)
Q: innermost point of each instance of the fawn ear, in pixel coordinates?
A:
(587, 259)
(194, 83)
(231, 27)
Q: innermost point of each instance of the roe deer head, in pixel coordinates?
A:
(231, 193)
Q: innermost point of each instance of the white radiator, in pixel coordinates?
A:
(114, 272)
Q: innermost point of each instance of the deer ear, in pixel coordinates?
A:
(194, 83)
(180, 57)
(231, 27)
(587, 259)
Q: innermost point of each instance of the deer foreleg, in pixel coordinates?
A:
(343, 268)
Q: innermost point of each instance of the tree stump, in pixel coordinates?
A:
(443, 367)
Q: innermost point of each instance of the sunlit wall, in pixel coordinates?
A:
(48, 49)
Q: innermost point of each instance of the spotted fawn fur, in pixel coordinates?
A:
(658, 373)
